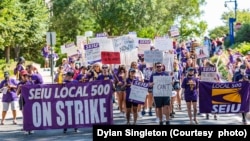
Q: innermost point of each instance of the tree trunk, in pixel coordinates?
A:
(7, 54)
(17, 51)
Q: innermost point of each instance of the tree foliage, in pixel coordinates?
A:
(23, 23)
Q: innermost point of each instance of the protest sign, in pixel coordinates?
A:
(162, 86)
(153, 56)
(92, 52)
(223, 98)
(139, 91)
(110, 57)
(208, 74)
(71, 105)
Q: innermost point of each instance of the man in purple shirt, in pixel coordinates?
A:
(45, 54)
(163, 102)
(8, 87)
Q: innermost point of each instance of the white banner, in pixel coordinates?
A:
(92, 52)
(70, 49)
(163, 44)
(143, 45)
(138, 93)
(168, 61)
(105, 44)
(153, 56)
(208, 74)
(202, 52)
(162, 86)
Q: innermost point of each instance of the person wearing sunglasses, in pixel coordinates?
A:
(190, 90)
(95, 71)
(162, 103)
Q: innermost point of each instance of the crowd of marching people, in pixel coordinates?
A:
(185, 81)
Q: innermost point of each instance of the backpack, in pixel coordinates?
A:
(15, 71)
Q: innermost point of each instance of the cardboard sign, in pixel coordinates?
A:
(110, 57)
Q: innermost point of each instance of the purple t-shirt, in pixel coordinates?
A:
(190, 84)
(37, 78)
(104, 77)
(11, 95)
(128, 88)
(45, 51)
(82, 76)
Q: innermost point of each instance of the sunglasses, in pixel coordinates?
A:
(104, 67)
(158, 66)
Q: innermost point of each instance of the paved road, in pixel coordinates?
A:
(10, 132)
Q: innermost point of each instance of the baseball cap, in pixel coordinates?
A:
(248, 53)
(132, 70)
(70, 73)
(24, 72)
(190, 69)
(242, 66)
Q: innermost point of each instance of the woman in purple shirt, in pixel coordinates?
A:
(120, 78)
(8, 87)
(130, 105)
(190, 88)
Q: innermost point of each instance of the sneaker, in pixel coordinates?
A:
(215, 117)
(139, 115)
(161, 122)
(207, 116)
(171, 115)
(244, 122)
(143, 112)
(76, 130)
(163, 117)
(167, 123)
(157, 120)
(26, 132)
(150, 113)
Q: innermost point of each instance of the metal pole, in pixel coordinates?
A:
(51, 59)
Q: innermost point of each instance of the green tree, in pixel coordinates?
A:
(22, 24)
(218, 31)
(243, 35)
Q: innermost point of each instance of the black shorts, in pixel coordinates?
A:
(161, 101)
(176, 86)
(129, 104)
(120, 88)
(191, 100)
(21, 103)
(150, 89)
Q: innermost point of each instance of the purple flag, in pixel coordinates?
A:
(72, 105)
(222, 98)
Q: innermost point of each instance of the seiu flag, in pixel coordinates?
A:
(221, 98)
(71, 105)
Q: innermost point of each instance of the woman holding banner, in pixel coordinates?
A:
(95, 71)
(140, 75)
(190, 89)
(25, 80)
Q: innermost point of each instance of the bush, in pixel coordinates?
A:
(243, 48)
